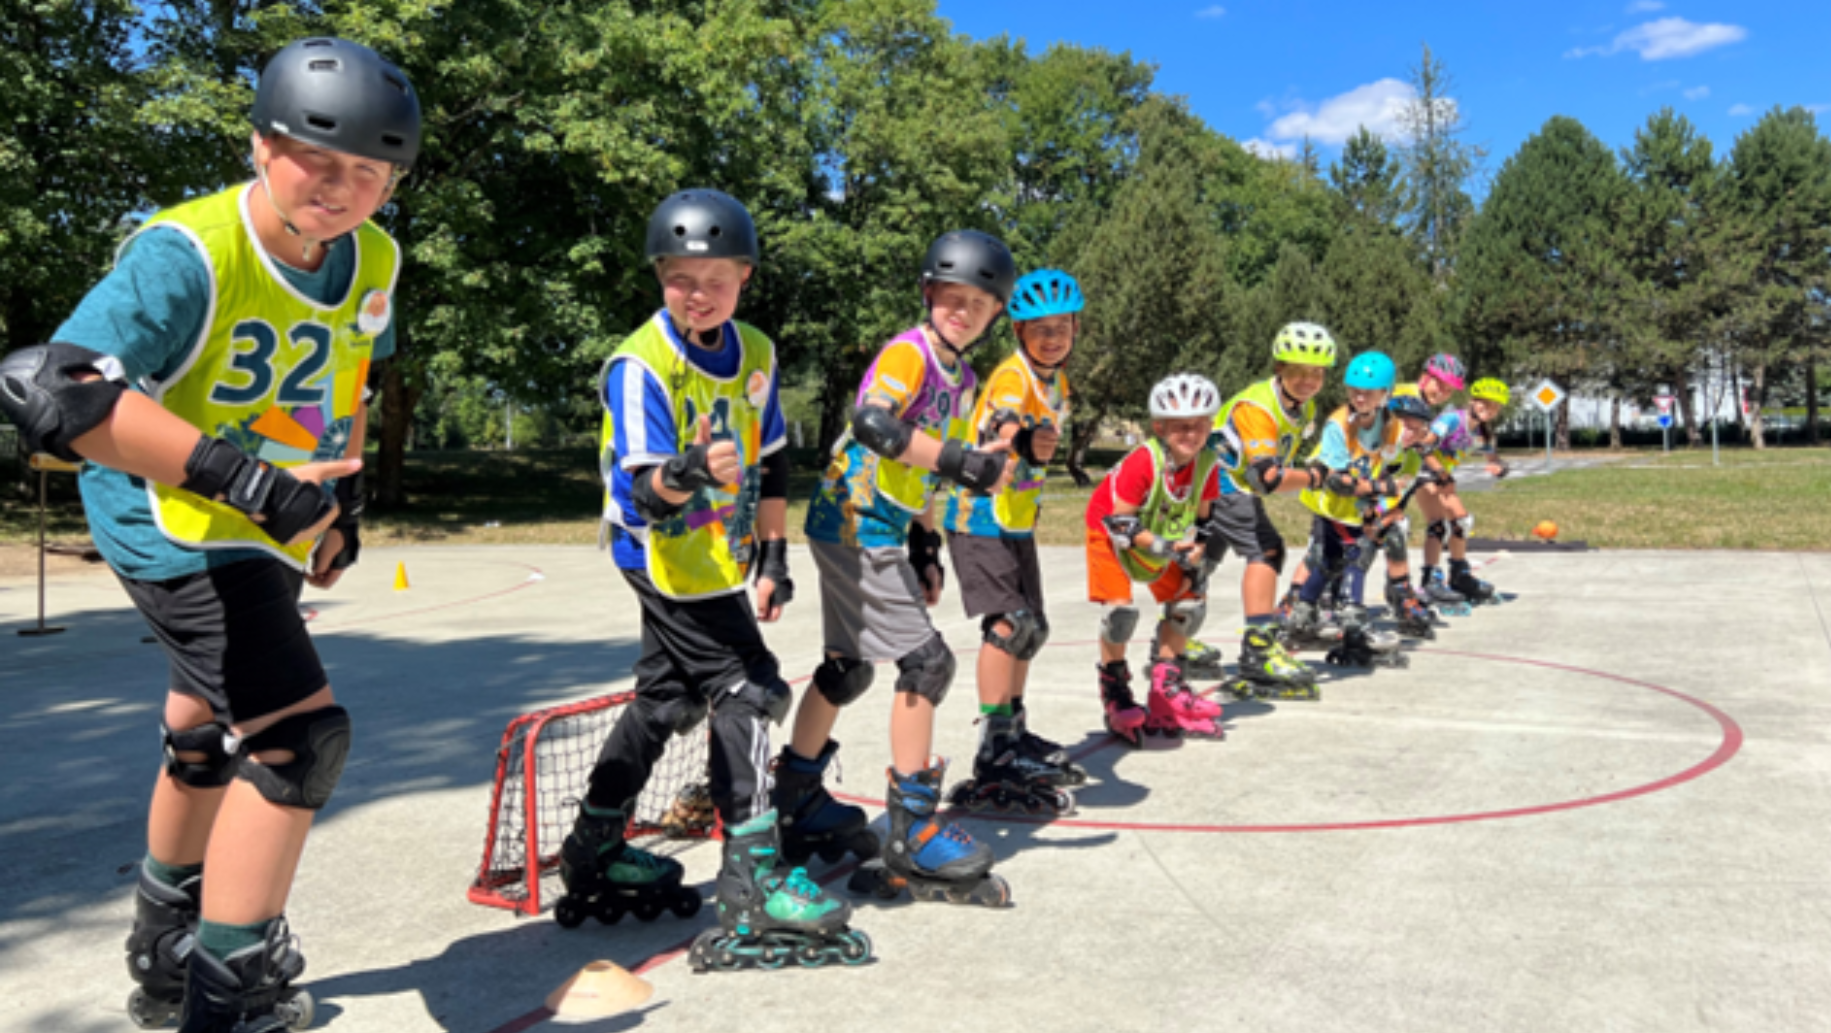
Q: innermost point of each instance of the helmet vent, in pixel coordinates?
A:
(395, 81)
(325, 64)
(713, 232)
(393, 140)
(329, 125)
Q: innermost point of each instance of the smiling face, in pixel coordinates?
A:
(1182, 438)
(961, 312)
(1364, 401)
(1413, 430)
(1486, 410)
(324, 194)
(701, 293)
(1302, 382)
(1048, 340)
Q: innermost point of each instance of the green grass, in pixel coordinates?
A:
(1778, 499)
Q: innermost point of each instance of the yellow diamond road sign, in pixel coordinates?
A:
(1547, 395)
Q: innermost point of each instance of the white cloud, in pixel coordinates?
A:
(1377, 105)
(1645, 6)
(1818, 109)
(1697, 93)
(1667, 38)
(1741, 110)
(1270, 151)
(1216, 11)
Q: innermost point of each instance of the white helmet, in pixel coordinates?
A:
(1183, 396)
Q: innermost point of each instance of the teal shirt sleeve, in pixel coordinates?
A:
(1333, 451)
(149, 311)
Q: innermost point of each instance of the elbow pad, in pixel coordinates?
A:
(650, 506)
(775, 475)
(1122, 529)
(51, 408)
(878, 429)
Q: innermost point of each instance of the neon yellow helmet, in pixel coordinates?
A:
(1491, 390)
(1304, 344)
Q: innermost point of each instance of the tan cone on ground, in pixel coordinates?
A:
(600, 989)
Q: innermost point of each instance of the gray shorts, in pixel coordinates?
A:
(871, 605)
(1245, 527)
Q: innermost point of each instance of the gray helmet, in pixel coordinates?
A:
(341, 96)
(973, 258)
(702, 224)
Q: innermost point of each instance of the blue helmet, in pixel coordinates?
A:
(1046, 292)
(1372, 371)
(1408, 404)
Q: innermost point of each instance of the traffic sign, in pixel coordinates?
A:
(1665, 420)
(1664, 402)
(1547, 395)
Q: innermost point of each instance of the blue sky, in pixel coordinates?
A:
(1268, 72)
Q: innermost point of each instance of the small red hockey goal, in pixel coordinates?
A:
(542, 768)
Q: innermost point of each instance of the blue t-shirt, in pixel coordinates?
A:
(1333, 452)
(148, 312)
(642, 444)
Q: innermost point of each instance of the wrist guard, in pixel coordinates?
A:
(285, 505)
(975, 471)
(772, 563)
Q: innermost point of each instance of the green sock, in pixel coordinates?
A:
(996, 709)
(173, 875)
(758, 823)
(223, 940)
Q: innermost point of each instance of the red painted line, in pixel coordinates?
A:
(1727, 747)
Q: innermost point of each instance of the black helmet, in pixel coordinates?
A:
(342, 96)
(973, 258)
(702, 224)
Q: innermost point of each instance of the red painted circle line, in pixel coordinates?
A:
(1727, 747)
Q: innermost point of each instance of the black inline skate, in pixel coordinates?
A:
(1472, 588)
(1364, 646)
(1268, 672)
(812, 821)
(771, 914)
(250, 991)
(159, 948)
(1438, 594)
(1007, 779)
(1411, 616)
(933, 861)
(606, 878)
(1309, 626)
(1049, 752)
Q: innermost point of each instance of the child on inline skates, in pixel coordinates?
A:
(1449, 519)
(1458, 434)
(1361, 446)
(696, 498)
(215, 382)
(910, 432)
(992, 539)
(1149, 521)
(1256, 435)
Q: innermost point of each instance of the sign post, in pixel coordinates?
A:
(1665, 419)
(1547, 396)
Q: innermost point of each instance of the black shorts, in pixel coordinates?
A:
(996, 575)
(1246, 528)
(693, 648)
(234, 636)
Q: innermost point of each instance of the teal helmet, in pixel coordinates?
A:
(1372, 371)
(1044, 293)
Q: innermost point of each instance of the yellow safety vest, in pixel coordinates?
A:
(1345, 509)
(1165, 515)
(1232, 453)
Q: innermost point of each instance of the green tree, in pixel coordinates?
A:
(1378, 296)
(1438, 163)
(1780, 183)
(1538, 274)
(1294, 292)
(1369, 183)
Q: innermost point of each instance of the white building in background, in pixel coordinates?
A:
(1714, 392)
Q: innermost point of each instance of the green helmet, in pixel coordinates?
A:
(1491, 390)
(1304, 344)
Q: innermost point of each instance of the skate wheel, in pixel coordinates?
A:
(773, 957)
(810, 956)
(854, 947)
(609, 913)
(297, 1011)
(147, 1012)
(648, 910)
(687, 904)
(568, 913)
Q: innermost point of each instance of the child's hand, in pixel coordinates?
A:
(317, 474)
(1043, 442)
(771, 598)
(324, 575)
(721, 456)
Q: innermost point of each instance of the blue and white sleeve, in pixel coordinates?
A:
(641, 420)
(1333, 451)
(775, 428)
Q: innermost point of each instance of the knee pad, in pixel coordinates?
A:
(1396, 539)
(216, 770)
(1021, 643)
(319, 742)
(1039, 636)
(1461, 527)
(927, 672)
(841, 679)
(1440, 530)
(1117, 624)
(769, 700)
(1186, 615)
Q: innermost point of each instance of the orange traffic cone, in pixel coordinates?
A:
(599, 990)
(400, 577)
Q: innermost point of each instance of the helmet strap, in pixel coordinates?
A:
(306, 244)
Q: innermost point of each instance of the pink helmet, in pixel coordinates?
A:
(1449, 369)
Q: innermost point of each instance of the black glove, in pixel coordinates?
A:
(975, 471)
(1382, 486)
(772, 563)
(350, 504)
(286, 505)
(925, 554)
